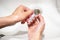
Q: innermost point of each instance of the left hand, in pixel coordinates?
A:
(36, 28)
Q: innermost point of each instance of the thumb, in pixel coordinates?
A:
(29, 12)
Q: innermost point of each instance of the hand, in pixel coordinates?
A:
(36, 28)
(21, 13)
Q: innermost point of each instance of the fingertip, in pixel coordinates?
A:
(41, 18)
(30, 11)
(36, 16)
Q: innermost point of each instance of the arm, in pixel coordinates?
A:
(36, 28)
(20, 14)
(6, 21)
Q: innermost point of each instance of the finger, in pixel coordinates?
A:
(37, 20)
(31, 21)
(41, 18)
(23, 22)
(28, 14)
(22, 8)
(42, 29)
(42, 24)
(26, 9)
(27, 17)
(37, 17)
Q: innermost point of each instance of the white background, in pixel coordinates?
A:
(49, 12)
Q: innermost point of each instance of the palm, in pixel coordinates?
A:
(37, 25)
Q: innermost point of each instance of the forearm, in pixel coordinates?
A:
(6, 21)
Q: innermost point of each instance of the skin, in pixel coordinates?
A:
(36, 28)
(20, 14)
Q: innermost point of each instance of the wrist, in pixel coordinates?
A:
(14, 18)
(34, 36)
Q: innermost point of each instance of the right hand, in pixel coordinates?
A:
(21, 13)
(36, 28)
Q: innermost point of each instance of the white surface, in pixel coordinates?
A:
(58, 5)
(49, 11)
